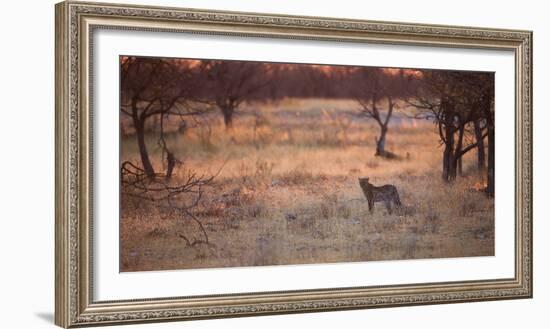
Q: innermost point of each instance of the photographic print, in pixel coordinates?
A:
(239, 163)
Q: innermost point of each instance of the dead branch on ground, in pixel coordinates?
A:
(178, 197)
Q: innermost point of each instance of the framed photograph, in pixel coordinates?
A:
(217, 164)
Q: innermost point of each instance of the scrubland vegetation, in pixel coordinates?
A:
(284, 190)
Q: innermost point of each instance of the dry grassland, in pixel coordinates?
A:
(287, 193)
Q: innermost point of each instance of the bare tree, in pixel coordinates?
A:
(487, 105)
(155, 88)
(232, 82)
(460, 104)
(370, 87)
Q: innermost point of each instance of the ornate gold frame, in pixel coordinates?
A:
(75, 23)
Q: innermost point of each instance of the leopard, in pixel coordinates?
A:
(385, 193)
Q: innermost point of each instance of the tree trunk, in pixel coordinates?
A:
(227, 112)
(456, 155)
(171, 163)
(448, 158)
(140, 133)
(491, 159)
(480, 146)
(381, 142)
(451, 171)
(491, 146)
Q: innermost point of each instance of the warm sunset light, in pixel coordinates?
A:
(254, 163)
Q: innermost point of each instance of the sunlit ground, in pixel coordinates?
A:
(287, 193)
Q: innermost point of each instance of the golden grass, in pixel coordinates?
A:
(288, 194)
